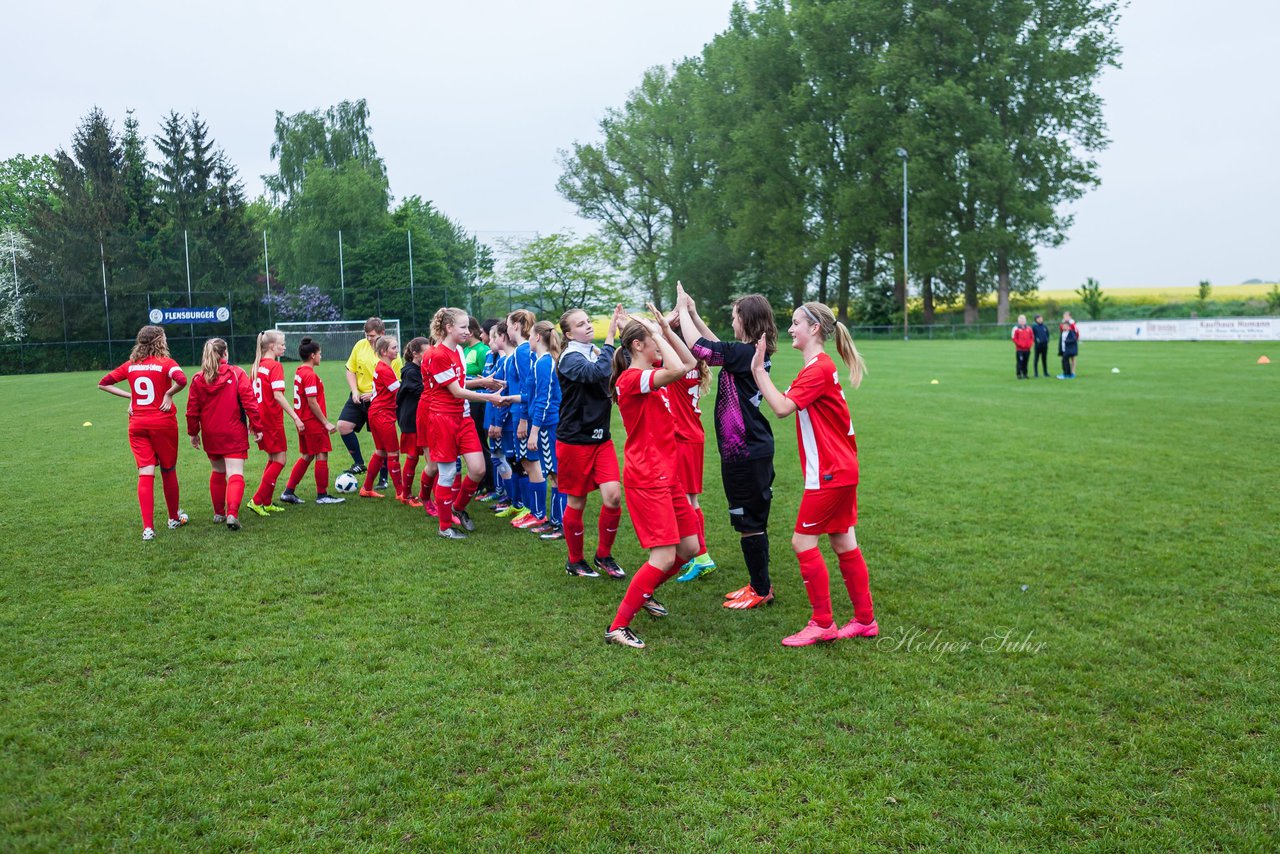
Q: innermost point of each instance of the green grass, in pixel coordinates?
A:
(337, 677)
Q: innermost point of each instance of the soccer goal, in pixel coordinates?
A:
(335, 337)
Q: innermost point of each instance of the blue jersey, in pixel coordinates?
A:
(500, 416)
(520, 381)
(544, 405)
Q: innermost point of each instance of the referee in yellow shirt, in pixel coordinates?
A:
(355, 412)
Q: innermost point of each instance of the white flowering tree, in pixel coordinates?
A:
(14, 249)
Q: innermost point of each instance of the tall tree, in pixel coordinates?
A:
(557, 272)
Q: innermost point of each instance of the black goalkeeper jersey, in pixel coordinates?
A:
(585, 405)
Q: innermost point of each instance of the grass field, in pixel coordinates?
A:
(1076, 582)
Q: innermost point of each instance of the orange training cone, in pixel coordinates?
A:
(1263, 360)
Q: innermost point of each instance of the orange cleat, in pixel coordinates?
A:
(750, 599)
(369, 493)
(740, 592)
(413, 502)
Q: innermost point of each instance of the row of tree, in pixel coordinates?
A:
(771, 162)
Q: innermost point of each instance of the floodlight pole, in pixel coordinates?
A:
(902, 152)
(266, 263)
(106, 305)
(413, 305)
(342, 276)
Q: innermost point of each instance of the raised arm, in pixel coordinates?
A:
(691, 325)
(781, 405)
(675, 364)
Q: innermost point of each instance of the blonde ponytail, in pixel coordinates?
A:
(215, 350)
(849, 352)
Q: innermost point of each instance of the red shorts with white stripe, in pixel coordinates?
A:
(273, 440)
(828, 511)
(409, 444)
(450, 436)
(157, 445)
(384, 434)
(580, 469)
(662, 516)
(310, 444)
(689, 456)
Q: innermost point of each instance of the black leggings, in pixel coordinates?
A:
(1042, 357)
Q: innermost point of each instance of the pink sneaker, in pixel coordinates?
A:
(430, 507)
(854, 629)
(811, 634)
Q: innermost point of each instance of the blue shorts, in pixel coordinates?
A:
(547, 449)
(509, 443)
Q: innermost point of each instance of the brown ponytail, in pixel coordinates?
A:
(633, 332)
(545, 331)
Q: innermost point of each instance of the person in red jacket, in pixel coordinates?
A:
(1023, 337)
(220, 399)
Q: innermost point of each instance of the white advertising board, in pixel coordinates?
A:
(1201, 329)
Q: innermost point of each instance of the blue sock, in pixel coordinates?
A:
(539, 494)
(522, 490)
(557, 512)
(508, 489)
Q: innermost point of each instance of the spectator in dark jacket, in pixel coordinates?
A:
(1041, 356)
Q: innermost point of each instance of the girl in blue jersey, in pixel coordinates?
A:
(503, 433)
(544, 415)
(519, 326)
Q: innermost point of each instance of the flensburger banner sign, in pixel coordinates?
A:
(220, 314)
(1200, 329)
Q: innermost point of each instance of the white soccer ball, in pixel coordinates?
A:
(346, 482)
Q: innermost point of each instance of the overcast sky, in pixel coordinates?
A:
(470, 103)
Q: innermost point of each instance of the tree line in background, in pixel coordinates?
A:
(770, 161)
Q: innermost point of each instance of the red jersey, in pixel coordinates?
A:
(385, 386)
(217, 410)
(1023, 337)
(441, 367)
(824, 431)
(267, 380)
(306, 384)
(149, 380)
(684, 394)
(649, 457)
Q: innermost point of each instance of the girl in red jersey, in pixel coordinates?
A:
(382, 419)
(407, 399)
(221, 396)
(660, 512)
(450, 431)
(690, 452)
(154, 379)
(829, 460)
(313, 435)
(268, 389)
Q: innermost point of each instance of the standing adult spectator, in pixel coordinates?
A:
(1068, 346)
(1041, 355)
(1023, 338)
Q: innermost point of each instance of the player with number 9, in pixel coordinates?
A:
(267, 377)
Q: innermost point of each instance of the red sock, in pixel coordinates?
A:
(702, 531)
(643, 583)
(457, 486)
(375, 466)
(267, 486)
(147, 499)
(813, 569)
(169, 479)
(428, 486)
(218, 492)
(464, 496)
(235, 493)
(856, 581)
(410, 469)
(298, 472)
(573, 529)
(393, 468)
(608, 530)
(322, 477)
(444, 505)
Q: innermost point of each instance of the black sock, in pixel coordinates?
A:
(755, 551)
(352, 441)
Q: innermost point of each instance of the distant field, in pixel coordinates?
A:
(1164, 293)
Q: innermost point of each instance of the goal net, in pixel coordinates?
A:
(335, 337)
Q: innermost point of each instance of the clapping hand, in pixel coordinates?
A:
(757, 361)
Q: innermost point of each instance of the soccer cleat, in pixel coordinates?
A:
(693, 570)
(510, 511)
(148, 534)
(462, 519)
(854, 629)
(740, 592)
(413, 501)
(326, 498)
(527, 521)
(543, 527)
(556, 533)
(623, 636)
(451, 534)
(356, 469)
(233, 523)
(654, 607)
(289, 498)
(748, 600)
(178, 521)
(429, 507)
(522, 513)
(274, 508)
(580, 569)
(258, 508)
(218, 518)
(381, 484)
(488, 497)
(811, 634)
(369, 493)
(609, 566)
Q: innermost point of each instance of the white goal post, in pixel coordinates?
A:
(335, 337)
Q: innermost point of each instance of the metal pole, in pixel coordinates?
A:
(14, 249)
(342, 276)
(906, 280)
(186, 248)
(413, 305)
(266, 262)
(106, 305)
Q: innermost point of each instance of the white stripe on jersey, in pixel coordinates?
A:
(395, 385)
(278, 384)
(810, 443)
(173, 369)
(646, 382)
(443, 376)
(309, 389)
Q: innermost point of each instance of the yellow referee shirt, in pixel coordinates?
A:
(363, 362)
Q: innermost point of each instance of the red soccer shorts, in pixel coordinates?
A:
(689, 457)
(582, 468)
(409, 444)
(273, 440)
(384, 434)
(450, 436)
(310, 443)
(154, 445)
(236, 455)
(828, 511)
(662, 516)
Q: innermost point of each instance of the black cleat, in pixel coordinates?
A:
(580, 569)
(610, 567)
(289, 498)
